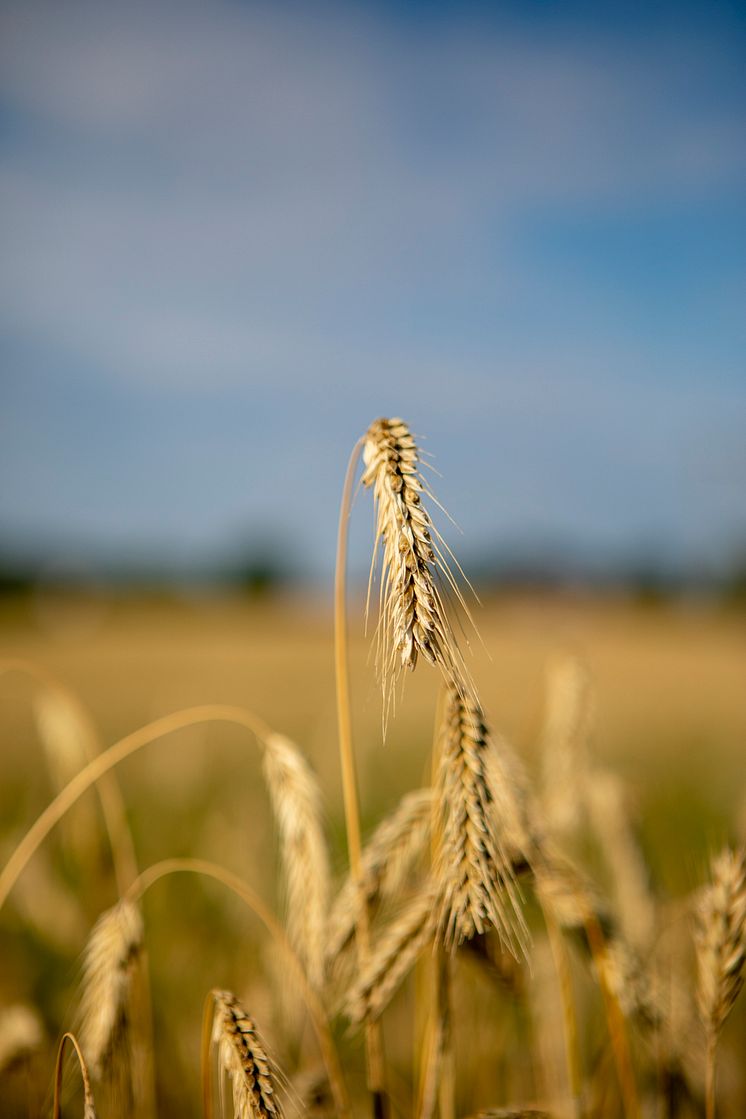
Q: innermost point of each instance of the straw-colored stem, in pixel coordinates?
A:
(205, 1062)
(102, 763)
(614, 1019)
(373, 1032)
(712, 1042)
(572, 1047)
(437, 1082)
(88, 1094)
(436, 1073)
(447, 1094)
(112, 806)
(242, 890)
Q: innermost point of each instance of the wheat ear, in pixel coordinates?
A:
(412, 616)
(112, 952)
(21, 1034)
(242, 1058)
(473, 862)
(387, 859)
(568, 722)
(296, 801)
(396, 952)
(721, 952)
(607, 801)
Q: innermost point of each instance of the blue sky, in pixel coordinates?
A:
(234, 234)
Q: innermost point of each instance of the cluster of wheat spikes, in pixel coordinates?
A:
(457, 872)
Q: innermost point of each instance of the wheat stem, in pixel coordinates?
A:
(89, 1108)
(373, 1032)
(102, 763)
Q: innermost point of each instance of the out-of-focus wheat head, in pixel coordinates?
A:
(21, 1034)
(242, 1058)
(568, 720)
(388, 859)
(111, 955)
(721, 939)
(69, 741)
(412, 616)
(396, 952)
(296, 801)
(606, 798)
(474, 863)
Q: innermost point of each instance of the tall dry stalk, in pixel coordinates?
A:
(296, 801)
(279, 939)
(721, 952)
(243, 1060)
(89, 1106)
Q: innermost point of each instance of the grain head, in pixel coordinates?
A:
(721, 939)
(296, 801)
(474, 862)
(243, 1060)
(111, 955)
(412, 617)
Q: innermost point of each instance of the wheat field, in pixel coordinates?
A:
(546, 912)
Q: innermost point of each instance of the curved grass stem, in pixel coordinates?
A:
(255, 903)
(106, 761)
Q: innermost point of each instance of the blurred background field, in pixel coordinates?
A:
(670, 718)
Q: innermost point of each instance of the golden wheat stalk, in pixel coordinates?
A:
(412, 616)
(512, 1113)
(243, 1060)
(387, 860)
(721, 952)
(395, 954)
(474, 864)
(296, 801)
(113, 950)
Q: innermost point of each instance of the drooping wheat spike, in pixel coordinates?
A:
(296, 801)
(21, 1034)
(388, 858)
(721, 939)
(395, 954)
(606, 799)
(568, 721)
(111, 956)
(473, 863)
(721, 952)
(412, 617)
(242, 1058)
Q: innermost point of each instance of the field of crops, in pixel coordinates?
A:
(663, 708)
